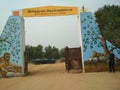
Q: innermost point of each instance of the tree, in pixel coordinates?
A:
(51, 52)
(55, 53)
(29, 52)
(62, 53)
(39, 51)
(108, 18)
(34, 52)
(48, 52)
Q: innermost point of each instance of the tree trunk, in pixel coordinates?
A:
(106, 51)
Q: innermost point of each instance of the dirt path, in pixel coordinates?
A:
(54, 77)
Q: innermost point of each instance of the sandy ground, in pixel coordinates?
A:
(54, 77)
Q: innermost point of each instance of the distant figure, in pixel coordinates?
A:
(111, 62)
(83, 8)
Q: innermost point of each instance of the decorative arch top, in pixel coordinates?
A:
(46, 11)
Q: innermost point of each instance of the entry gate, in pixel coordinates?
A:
(73, 59)
(12, 40)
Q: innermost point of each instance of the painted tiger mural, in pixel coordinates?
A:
(6, 68)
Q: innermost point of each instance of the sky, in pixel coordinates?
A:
(58, 31)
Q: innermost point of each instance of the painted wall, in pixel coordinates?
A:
(12, 47)
(12, 44)
(90, 41)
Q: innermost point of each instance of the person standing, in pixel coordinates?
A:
(111, 62)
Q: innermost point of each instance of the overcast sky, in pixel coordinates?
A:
(58, 31)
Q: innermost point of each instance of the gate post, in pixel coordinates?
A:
(67, 58)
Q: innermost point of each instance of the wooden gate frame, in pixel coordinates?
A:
(73, 59)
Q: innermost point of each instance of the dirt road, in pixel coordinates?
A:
(54, 77)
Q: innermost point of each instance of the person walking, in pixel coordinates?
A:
(111, 62)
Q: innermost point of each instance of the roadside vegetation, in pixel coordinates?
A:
(43, 55)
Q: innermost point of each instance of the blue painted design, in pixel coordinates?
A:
(10, 40)
(90, 33)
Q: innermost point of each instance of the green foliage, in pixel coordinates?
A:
(108, 18)
(51, 52)
(34, 52)
(62, 53)
(38, 52)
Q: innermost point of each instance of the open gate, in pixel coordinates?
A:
(73, 59)
(12, 39)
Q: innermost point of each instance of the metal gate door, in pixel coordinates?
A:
(73, 59)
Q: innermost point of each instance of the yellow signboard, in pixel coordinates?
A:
(49, 11)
